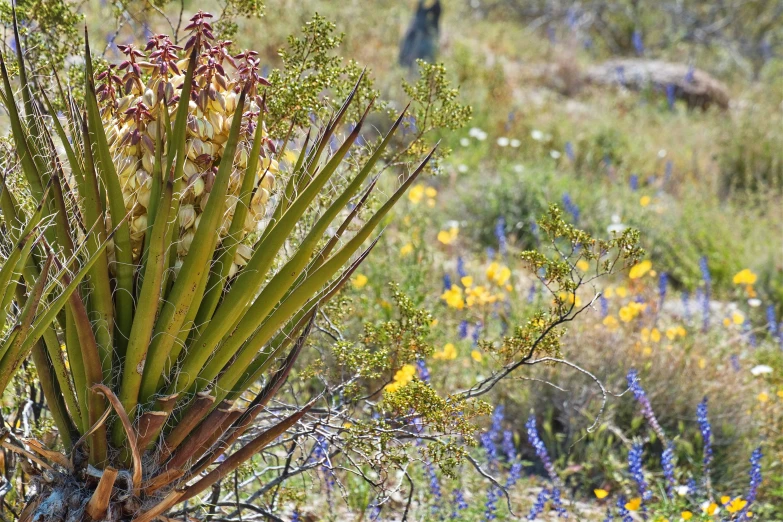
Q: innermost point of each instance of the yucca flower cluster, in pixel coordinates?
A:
(151, 381)
(138, 95)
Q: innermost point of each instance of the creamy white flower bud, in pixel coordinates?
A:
(243, 254)
(184, 243)
(138, 227)
(231, 102)
(187, 216)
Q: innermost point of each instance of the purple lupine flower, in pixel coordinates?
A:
(461, 267)
(625, 515)
(734, 359)
(569, 151)
(557, 503)
(321, 452)
(755, 475)
(459, 503)
(634, 182)
(490, 253)
(535, 440)
(670, 95)
(604, 302)
(644, 402)
(497, 421)
(706, 434)
(571, 207)
(446, 282)
(572, 15)
(536, 231)
(638, 44)
(463, 329)
(511, 454)
(686, 299)
(689, 75)
(663, 285)
(755, 482)
(531, 294)
(705, 271)
(609, 516)
(476, 333)
(375, 510)
(491, 505)
(772, 323)
(434, 485)
(424, 372)
(747, 329)
(538, 507)
(489, 446)
(500, 235)
(667, 463)
(620, 71)
(637, 472)
(508, 446)
(707, 278)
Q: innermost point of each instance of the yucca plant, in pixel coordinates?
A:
(205, 288)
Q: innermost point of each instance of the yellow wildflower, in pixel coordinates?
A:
(736, 505)
(626, 314)
(640, 269)
(430, 192)
(725, 499)
(449, 353)
(359, 280)
(569, 298)
(681, 331)
(780, 394)
(467, 281)
(402, 377)
(738, 318)
(645, 334)
(744, 277)
(634, 504)
(406, 250)
(447, 237)
(711, 509)
(622, 291)
(686, 515)
(453, 297)
(655, 335)
(583, 265)
(609, 292)
(600, 493)
(611, 323)
(497, 273)
(762, 397)
(645, 200)
(476, 355)
(416, 193)
(702, 363)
